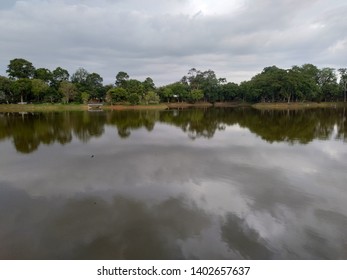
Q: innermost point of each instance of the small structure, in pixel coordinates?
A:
(95, 105)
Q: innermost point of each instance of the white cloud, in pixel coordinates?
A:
(164, 40)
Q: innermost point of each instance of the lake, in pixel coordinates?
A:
(217, 183)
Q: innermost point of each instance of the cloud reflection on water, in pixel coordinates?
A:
(160, 195)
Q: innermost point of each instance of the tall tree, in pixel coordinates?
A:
(59, 75)
(166, 93)
(135, 86)
(20, 68)
(180, 91)
(115, 95)
(68, 90)
(308, 81)
(43, 74)
(210, 85)
(121, 79)
(195, 95)
(343, 81)
(80, 76)
(38, 88)
(22, 89)
(5, 90)
(229, 92)
(94, 85)
(327, 81)
(148, 84)
(151, 97)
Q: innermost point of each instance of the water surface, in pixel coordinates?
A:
(177, 184)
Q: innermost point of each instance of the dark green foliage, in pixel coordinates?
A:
(195, 95)
(20, 68)
(94, 85)
(148, 85)
(39, 89)
(59, 75)
(115, 95)
(133, 98)
(52, 96)
(5, 90)
(229, 92)
(68, 90)
(80, 76)
(273, 84)
(22, 90)
(43, 74)
(151, 97)
(343, 82)
(121, 79)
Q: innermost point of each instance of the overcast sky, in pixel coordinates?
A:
(164, 39)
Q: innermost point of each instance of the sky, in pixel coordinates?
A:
(164, 39)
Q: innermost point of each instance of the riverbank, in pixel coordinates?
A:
(297, 105)
(42, 107)
(164, 106)
(161, 106)
(83, 107)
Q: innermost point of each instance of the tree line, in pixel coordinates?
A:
(26, 84)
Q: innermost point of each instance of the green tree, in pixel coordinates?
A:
(307, 76)
(59, 75)
(52, 95)
(80, 76)
(196, 95)
(180, 91)
(20, 68)
(68, 91)
(289, 85)
(94, 85)
(148, 84)
(268, 85)
(210, 85)
(22, 89)
(194, 78)
(121, 79)
(151, 97)
(115, 95)
(38, 88)
(5, 90)
(94, 81)
(327, 81)
(229, 92)
(43, 74)
(135, 87)
(133, 98)
(207, 81)
(85, 97)
(167, 93)
(343, 82)
(244, 90)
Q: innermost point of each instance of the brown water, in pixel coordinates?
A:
(177, 184)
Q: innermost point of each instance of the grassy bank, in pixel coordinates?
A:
(297, 105)
(41, 107)
(163, 106)
(82, 107)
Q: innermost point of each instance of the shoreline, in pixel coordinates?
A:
(297, 105)
(164, 106)
(8, 108)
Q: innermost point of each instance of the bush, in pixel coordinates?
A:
(151, 98)
(133, 98)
